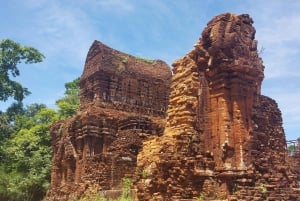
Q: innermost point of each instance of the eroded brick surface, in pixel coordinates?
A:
(223, 140)
(123, 103)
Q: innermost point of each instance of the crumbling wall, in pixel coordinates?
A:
(123, 100)
(223, 139)
(115, 80)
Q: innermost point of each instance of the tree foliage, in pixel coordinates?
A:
(12, 54)
(5, 127)
(292, 149)
(15, 109)
(25, 148)
(68, 104)
(25, 169)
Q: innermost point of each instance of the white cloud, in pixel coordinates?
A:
(287, 29)
(63, 32)
(278, 32)
(277, 25)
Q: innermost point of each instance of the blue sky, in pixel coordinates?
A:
(63, 31)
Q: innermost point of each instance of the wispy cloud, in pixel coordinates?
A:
(278, 32)
(62, 32)
(285, 29)
(167, 30)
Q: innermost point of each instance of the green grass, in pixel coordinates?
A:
(148, 61)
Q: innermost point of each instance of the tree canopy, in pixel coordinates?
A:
(25, 148)
(27, 157)
(12, 54)
(70, 102)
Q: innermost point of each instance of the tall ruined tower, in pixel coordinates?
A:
(223, 139)
(235, 72)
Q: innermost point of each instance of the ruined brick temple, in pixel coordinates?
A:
(203, 133)
(123, 102)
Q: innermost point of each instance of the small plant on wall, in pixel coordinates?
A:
(148, 61)
(201, 197)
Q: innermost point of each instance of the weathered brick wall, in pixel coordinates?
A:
(112, 79)
(123, 101)
(223, 139)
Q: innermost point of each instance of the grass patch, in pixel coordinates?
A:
(146, 60)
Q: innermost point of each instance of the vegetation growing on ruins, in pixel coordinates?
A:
(146, 60)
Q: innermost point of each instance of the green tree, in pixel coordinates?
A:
(6, 131)
(291, 149)
(25, 169)
(12, 54)
(5, 127)
(70, 102)
(25, 152)
(15, 109)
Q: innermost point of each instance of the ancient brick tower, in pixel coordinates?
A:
(223, 140)
(123, 100)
